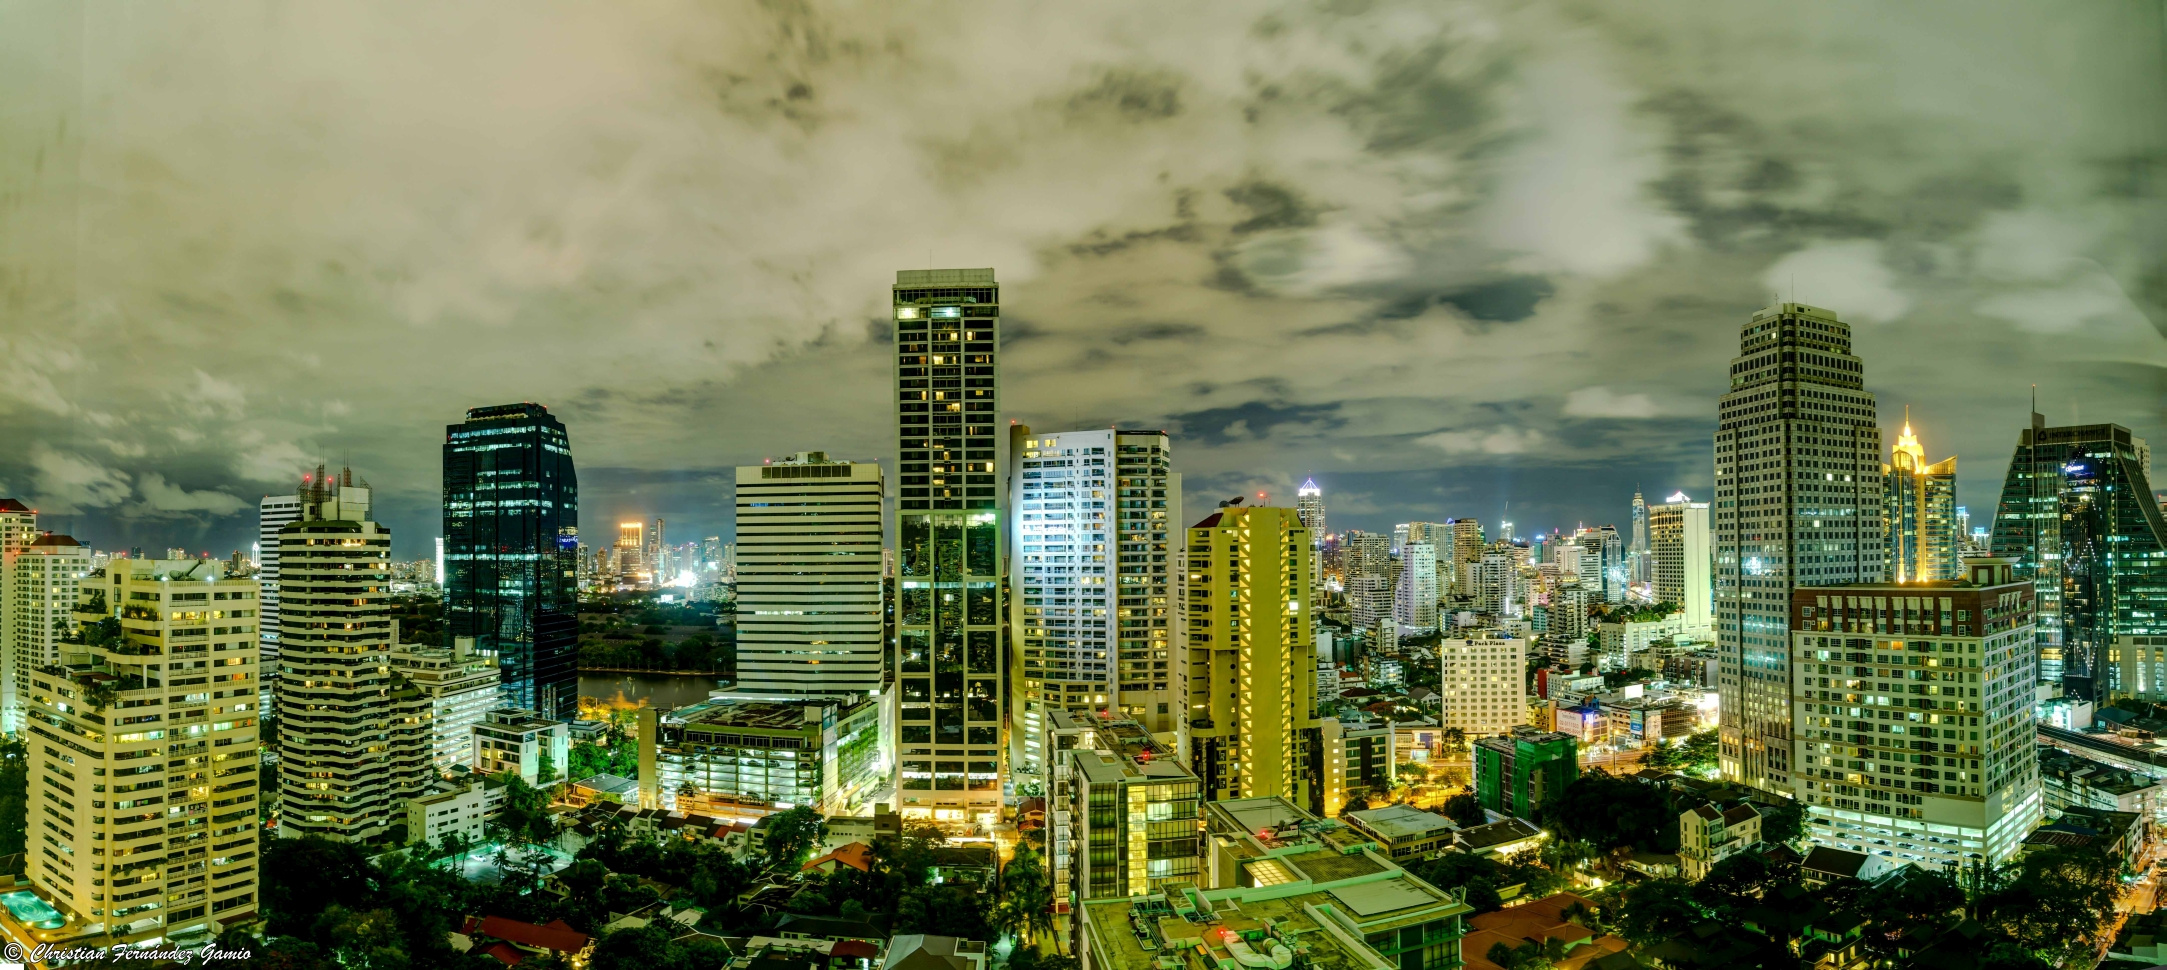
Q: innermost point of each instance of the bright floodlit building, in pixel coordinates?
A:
(1681, 561)
(1483, 680)
(1914, 713)
(142, 739)
(1096, 516)
(39, 576)
(736, 757)
(1920, 509)
(809, 586)
(1798, 502)
(1251, 678)
(949, 625)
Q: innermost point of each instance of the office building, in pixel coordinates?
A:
(1096, 514)
(657, 556)
(808, 595)
(2078, 514)
(273, 513)
(628, 558)
(1493, 582)
(1281, 880)
(1251, 654)
(1467, 547)
(1133, 814)
(950, 630)
(1309, 507)
(511, 538)
(536, 748)
(1914, 707)
(40, 584)
(353, 734)
(1484, 683)
(463, 812)
(1639, 567)
(1919, 505)
(459, 686)
(740, 758)
(1681, 560)
(1798, 501)
(1517, 773)
(1414, 604)
(149, 830)
(1567, 615)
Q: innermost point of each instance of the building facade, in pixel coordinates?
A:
(1914, 704)
(1414, 604)
(951, 634)
(511, 545)
(1132, 811)
(39, 578)
(1919, 506)
(742, 758)
(2077, 513)
(1357, 757)
(1484, 682)
(353, 735)
(1095, 544)
(273, 513)
(1516, 774)
(460, 688)
(536, 748)
(1798, 501)
(809, 589)
(1251, 683)
(1681, 560)
(143, 741)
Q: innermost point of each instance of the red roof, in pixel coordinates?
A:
(505, 953)
(854, 948)
(10, 505)
(856, 855)
(557, 937)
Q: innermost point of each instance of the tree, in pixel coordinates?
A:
(525, 819)
(791, 834)
(1611, 813)
(1651, 912)
(545, 770)
(1783, 822)
(2054, 901)
(301, 877)
(1464, 810)
(1455, 740)
(14, 795)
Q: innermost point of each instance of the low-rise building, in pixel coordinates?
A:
(748, 757)
(1517, 774)
(2072, 781)
(1293, 882)
(1544, 924)
(462, 811)
(1503, 838)
(535, 748)
(1708, 834)
(1404, 833)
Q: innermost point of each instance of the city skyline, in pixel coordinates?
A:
(1320, 268)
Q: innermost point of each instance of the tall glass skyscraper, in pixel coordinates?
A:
(1798, 503)
(1920, 507)
(511, 545)
(950, 630)
(2077, 513)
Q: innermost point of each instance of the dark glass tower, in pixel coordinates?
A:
(949, 633)
(2077, 514)
(511, 544)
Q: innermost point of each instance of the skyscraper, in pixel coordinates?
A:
(1467, 548)
(1682, 566)
(1611, 546)
(1309, 506)
(272, 514)
(18, 528)
(42, 577)
(1414, 605)
(153, 832)
(631, 561)
(1097, 528)
(1639, 569)
(1252, 697)
(808, 600)
(511, 537)
(658, 555)
(2077, 514)
(1798, 500)
(949, 629)
(353, 735)
(1924, 542)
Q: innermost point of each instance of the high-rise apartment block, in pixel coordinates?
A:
(1131, 809)
(808, 593)
(511, 536)
(949, 558)
(354, 736)
(1467, 547)
(460, 688)
(1920, 509)
(1681, 561)
(1484, 683)
(1251, 655)
(1914, 715)
(1414, 604)
(1493, 581)
(1097, 518)
(272, 514)
(18, 528)
(2078, 514)
(1517, 773)
(149, 827)
(38, 583)
(1639, 568)
(1798, 501)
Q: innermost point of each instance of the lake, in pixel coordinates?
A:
(666, 691)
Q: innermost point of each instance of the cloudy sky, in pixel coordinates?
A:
(1442, 256)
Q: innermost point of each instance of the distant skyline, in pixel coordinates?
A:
(1440, 257)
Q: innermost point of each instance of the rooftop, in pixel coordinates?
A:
(1400, 821)
(730, 712)
(1206, 930)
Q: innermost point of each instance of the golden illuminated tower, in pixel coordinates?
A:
(1920, 509)
(1252, 694)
